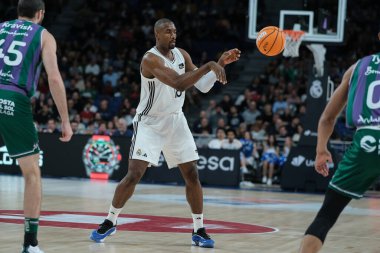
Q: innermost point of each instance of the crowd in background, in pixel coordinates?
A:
(100, 59)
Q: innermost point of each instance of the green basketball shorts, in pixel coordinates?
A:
(360, 166)
(16, 124)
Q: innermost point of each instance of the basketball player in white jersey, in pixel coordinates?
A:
(160, 125)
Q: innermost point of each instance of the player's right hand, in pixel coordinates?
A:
(322, 160)
(219, 72)
(67, 132)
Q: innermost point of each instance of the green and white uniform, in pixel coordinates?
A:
(20, 65)
(359, 167)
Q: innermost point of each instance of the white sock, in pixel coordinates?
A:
(197, 221)
(113, 214)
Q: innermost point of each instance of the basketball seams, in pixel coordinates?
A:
(274, 42)
(271, 41)
(263, 39)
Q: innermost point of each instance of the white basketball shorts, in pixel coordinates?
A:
(168, 133)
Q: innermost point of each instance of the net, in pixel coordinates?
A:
(293, 42)
(319, 52)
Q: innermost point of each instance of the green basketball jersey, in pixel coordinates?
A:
(20, 56)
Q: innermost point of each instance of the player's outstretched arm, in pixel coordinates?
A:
(327, 121)
(153, 66)
(57, 89)
(229, 56)
(208, 80)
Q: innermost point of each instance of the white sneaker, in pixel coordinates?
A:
(31, 249)
(264, 180)
(244, 170)
(269, 182)
(246, 184)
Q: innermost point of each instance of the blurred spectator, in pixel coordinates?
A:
(251, 113)
(270, 159)
(231, 142)
(257, 130)
(217, 142)
(226, 103)
(122, 129)
(51, 127)
(288, 143)
(234, 118)
(92, 68)
(104, 110)
(249, 154)
(43, 115)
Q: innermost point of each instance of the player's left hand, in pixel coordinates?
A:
(229, 56)
(322, 161)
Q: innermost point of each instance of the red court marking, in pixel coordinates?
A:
(149, 224)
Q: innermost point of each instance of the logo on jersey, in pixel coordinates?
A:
(181, 65)
(141, 153)
(8, 75)
(368, 144)
(178, 93)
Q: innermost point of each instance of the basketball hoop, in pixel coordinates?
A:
(293, 42)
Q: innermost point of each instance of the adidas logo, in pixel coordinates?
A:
(298, 160)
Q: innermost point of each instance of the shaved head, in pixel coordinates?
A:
(160, 23)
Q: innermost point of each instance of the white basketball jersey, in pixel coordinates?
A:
(157, 98)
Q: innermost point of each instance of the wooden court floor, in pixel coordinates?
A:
(71, 206)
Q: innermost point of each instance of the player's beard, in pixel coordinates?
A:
(171, 45)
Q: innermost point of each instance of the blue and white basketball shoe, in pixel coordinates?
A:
(202, 239)
(105, 229)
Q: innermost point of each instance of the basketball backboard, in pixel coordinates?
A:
(321, 20)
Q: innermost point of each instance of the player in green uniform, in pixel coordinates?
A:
(24, 46)
(359, 168)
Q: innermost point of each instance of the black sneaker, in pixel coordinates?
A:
(202, 239)
(105, 229)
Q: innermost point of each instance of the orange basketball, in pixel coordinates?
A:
(270, 41)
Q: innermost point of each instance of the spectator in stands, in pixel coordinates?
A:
(241, 130)
(288, 144)
(92, 68)
(220, 137)
(297, 135)
(234, 118)
(104, 110)
(257, 130)
(280, 104)
(102, 129)
(44, 114)
(267, 114)
(226, 103)
(231, 142)
(51, 127)
(122, 129)
(270, 159)
(283, 132)
(204, 127)
(111, 76)
(71, 109)
(248, 154)
(216, 116)
(243, 100)
(197, 126)
(251, 113)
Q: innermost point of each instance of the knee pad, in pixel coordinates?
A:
(320, 227)
(332, 207)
